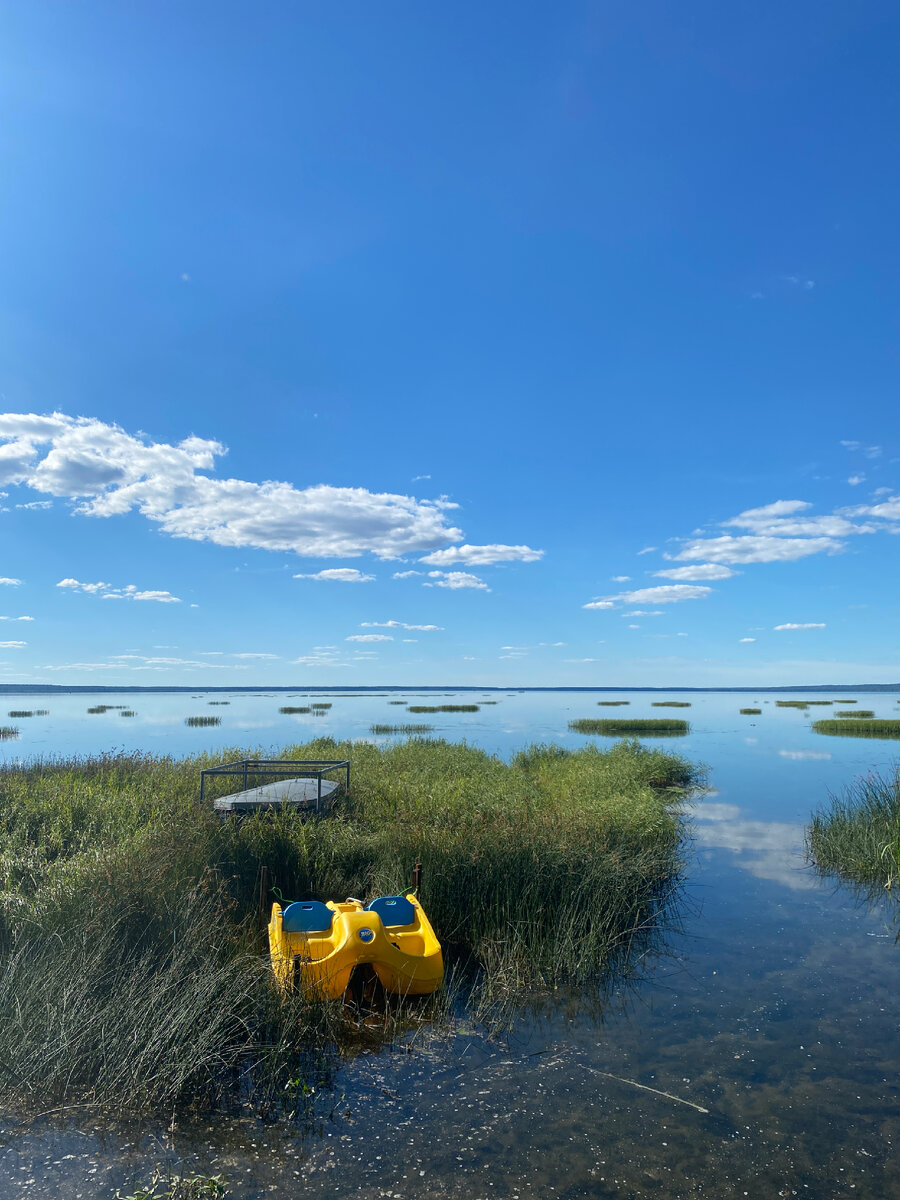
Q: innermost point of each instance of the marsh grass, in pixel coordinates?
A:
(670, 704)
(397, 702)
(8, 733)
(792, 704)
(219, 703)
(857, 834)
(16, 713)
(751, 712)
(202, 722)
(127, 712)
(621, 728)
(612, 703)
(401, 728)
(133, 971)
(99, 708)
(846, 702)
(858, 728)
(290, 709)
(320, 707)
(857, 714)
(443, 708)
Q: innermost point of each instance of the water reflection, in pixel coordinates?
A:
(767, 849)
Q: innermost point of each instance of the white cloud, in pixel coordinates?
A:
(621, 578)
(13, 645)
(416, 478)
(481, 556)
(644, 612)
(670, 593)
(108, 472)
(856, 479)
(16, 618)
(634, 626)
(752, 549)
(339, 575)
(782, 519)
(399, 625)
(107, 592)
(647, 550)
(406, 574)
(581, 660)
(456, 580)
(369, 637)
(6, 582)
(746, 639)
(802, 625)
(247, 654)
(703, 571)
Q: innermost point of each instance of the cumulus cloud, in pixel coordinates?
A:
(107, 472)
(701, 571)
(13, 645)
(647, 550)
(753, 549)
(783, 519)
(456, 580)
(399, 625)
(5, 581)
(671, 593)
(746, 639)
(406, 574)
(339, 575)
(16, 618)
(621, 579)
(481, 556)
(801, 625)
(108, 592)
(369, 637)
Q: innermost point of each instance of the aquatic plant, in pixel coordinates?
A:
(857, 833)
(100, 708)
(792, 703)
(620, 728)
(537, 872)
(612, 703)
(202, 722)
(218, 702)
(320, 707)
(179, 1187)
(290, 709)
(857, 713)
(127, 712)
(444, 708)
(857, 728)
(8, 732)
(670, 704)
(401, 728)
(397, 702)
(15, 713)
(751, 712)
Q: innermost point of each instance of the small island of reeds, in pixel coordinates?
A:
(670, 704)
(133, 965)
(202, 722)
(857, 834)
(612, 703)
(751, 712)
(289, 710)
(792, 703)
(858, 728)
(624, 727)
(857, 714)
(443, 708)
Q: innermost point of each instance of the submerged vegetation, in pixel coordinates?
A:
(858, 728)
(622, 727)
(133, 969)
(857, 835)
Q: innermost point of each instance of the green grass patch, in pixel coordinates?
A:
(624, 727)
(670, 704)
(15, 713)
(751, 712)
(320, 707)
(857, 834)
(846, 702)
(792, 703)
(100, 708)
(857, 714)
(857, 728)
(612, 703)
(202, 722)
(401, 728)
(397, 702)
(133, 970)
(219, 703)
(445, 708)
(290, 709)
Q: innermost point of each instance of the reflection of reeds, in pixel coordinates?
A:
(132, 970)
(401, 728)
(621, 728)
(202, 722)
(857, 728)
(290, 709)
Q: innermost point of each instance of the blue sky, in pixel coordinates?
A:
(520, 344)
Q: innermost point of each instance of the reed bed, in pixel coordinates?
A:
(133, 969)
(218, 703)
(320, 707)
(670, 704)
(751, 712)
(99, 708)
(202, 722)
(612, 703)
(792, 704)
(127, 712)
(857, 728)
(411, 729)
(397, 702)
(857, 714)
(17, 713)
(290, 709)
(622, 728)
(857, 834)
(443, 708)
(8, 733)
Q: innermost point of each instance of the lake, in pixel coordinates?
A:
(755, 1053)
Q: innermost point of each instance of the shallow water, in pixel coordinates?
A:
(774, 1008)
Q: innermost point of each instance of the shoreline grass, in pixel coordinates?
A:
(858, 728)
(133, 970)
(625, 726)
(857, 834)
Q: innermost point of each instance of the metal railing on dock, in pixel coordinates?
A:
(256, 775)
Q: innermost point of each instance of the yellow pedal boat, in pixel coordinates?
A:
(319, 944)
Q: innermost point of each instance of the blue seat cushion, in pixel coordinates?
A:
(393, 910)
(307, 916)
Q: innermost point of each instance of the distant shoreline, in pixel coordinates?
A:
(46, 689)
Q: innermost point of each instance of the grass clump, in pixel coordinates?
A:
(397, 702)
(401, 728)
(202, 722)
(857, 834)
(670, 704)
(858, 728)
(751, 712)
(857, 714)
(127, 712)
(621, 728)
(218, 702)
(8, 733)
(16, 713)
(99, 708)
(133, 971)
(290, 709)
(443, 708)
(792, 703)
(612, 703)
(179, 1187)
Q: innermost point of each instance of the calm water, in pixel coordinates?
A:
(774, 1008)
